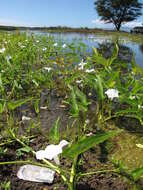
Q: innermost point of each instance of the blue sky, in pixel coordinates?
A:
(75, 13)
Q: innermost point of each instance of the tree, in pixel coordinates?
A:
(118, 11)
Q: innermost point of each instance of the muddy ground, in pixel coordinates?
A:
(95, 159)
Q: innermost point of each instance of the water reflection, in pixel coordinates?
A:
(127, 47)
(125, 53)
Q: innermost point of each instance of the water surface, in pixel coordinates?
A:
(96, 40)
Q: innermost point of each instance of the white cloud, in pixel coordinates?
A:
(101, 24)
(132, 24)
(98, 21)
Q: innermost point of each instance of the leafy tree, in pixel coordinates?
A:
(118, 11)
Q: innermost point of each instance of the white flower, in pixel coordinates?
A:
(25, 118)
(87, 121)
(52, 151)
(89, 70)
(44, 49)
(8, 57)
(89, 94)
(48, 69)
(55, 44)
(132, 97)
(64, 46)
(140, 107)
(79, 81)
(22, 46)
(89, 134)
(2, 50)
(112, 93)
(37, 41)
(82, 64)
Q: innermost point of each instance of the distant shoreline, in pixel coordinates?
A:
(56, 29)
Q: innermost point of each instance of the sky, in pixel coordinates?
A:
(73, 13)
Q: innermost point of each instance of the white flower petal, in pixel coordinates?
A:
(48, 69)
(112, 93)
(82, 64)
(25, 118)
(64, 46)
(44, 49)
(55, 44)
(79, 81)
(90, 70)
(2, 50)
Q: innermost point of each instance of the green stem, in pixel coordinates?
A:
(119, 115)
(16, 162)
(73, 173)
(23, 162)
(97, 172)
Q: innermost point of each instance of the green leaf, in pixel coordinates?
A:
(138, 173)
(2, 107)
(99, 88)
(87, 143)
(74, 104)
(36, 106)
(82, 97)
(55, 132)
(14, 104)
(114, 55)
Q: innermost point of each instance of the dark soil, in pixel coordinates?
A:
(93, 160)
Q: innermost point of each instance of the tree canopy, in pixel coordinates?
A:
(118, 11)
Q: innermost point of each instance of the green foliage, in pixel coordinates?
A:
(78, 101)
(55, 132)
(86, 143)
(6, 185)
(21, 151)
(14, 104)
(118, 12)
(137, 174)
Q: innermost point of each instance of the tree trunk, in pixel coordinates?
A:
(118, 26)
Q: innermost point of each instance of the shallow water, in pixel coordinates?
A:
(95, 40)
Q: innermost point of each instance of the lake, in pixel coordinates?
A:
(97, 40)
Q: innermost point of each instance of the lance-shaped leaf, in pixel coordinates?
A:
(17, 103)
(138, 173)
(55, 132)
(87, 143)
